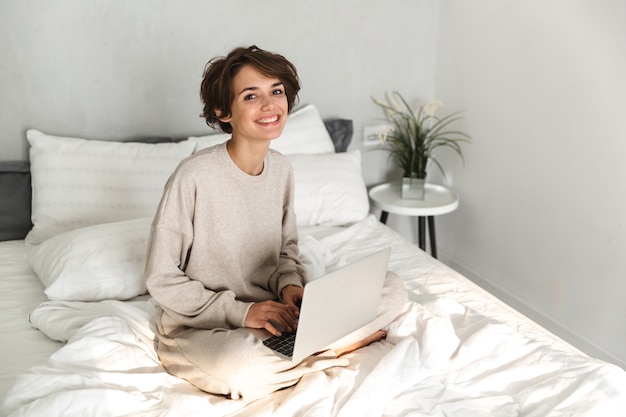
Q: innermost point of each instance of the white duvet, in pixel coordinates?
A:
(455, 351)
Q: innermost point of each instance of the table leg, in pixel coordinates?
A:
(383, 217)
(421, 232)
(431, 233)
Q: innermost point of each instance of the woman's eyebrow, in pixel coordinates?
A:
(276, 84)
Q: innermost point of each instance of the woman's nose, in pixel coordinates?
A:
(266, 102)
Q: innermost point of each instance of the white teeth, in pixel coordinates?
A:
(268, 119)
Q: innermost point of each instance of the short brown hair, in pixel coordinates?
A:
(216, 90)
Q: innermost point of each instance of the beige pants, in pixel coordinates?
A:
(236, 363)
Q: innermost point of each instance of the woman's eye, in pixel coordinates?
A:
(277, 92)
(249, 97)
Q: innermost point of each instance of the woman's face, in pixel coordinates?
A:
(259, 109)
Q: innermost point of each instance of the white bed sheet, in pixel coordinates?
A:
(456, 351)
(20, 292)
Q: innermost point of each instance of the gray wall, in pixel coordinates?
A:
(543, 193)
(116, 69)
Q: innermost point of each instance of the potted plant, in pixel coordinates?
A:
(414, 136)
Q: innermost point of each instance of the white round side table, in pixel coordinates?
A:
(437, 200)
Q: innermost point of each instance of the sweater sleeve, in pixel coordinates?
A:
(290, 270)
(186, 301)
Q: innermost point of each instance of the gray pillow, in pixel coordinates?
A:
(340, 131)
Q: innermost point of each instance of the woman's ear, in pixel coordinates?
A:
(218, 113)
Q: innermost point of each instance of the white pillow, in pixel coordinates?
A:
(94, 263)
(304, 133)
(78, 182)
(329, 189)
(202, 142)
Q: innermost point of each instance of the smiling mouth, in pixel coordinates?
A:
(269, 120)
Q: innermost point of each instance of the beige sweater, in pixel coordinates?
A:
(221, 240)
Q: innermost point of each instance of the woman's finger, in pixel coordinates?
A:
(274, 317)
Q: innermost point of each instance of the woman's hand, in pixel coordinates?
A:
(272, 316)
(292, 296)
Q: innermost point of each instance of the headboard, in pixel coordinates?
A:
(16, 193)
(15, 200)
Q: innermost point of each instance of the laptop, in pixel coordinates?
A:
(333, 306)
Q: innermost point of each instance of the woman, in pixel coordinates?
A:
(223, 254)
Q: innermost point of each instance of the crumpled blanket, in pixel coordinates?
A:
(452, 352)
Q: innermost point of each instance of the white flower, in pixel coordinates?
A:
(382, 136)
(393, 103)
(431, 107)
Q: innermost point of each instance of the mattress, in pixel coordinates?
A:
(455, 351)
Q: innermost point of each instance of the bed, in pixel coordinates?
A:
(79, 330)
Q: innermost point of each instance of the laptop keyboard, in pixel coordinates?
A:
(282, 344)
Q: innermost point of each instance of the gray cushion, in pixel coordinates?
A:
(340, 131)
